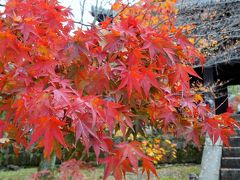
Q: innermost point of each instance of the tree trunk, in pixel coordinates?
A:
(46, 164)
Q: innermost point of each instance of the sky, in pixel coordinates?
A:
(76, 8)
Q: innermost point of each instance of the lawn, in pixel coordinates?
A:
(175, 172)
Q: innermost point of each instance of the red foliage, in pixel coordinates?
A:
(123, 75)
(70, 169)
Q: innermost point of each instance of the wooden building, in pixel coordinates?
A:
(216, 30)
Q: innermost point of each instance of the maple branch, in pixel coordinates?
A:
(159, 23)
(221, 104)
(125, 7)
(78, 22)
(82, 4)
(3, 5)
(95, 15)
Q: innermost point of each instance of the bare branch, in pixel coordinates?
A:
(78, 22)
(82, 6)
(125, 7)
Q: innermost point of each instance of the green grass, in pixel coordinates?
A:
(22, 174)
(175, 172)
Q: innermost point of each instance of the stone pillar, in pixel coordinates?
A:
(212, 153)
(211, 160)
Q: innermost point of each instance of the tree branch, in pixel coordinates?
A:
(82, 4)
(121, 11)
(78, 22)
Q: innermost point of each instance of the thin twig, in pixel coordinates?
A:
(221, 103)
(82, 4)
(78, 22)
(159, 23)
(95, 14)
(125, 7)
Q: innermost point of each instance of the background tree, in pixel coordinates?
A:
(74, 92)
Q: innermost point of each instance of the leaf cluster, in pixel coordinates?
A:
(124, 75)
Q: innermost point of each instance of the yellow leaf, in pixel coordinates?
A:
(167, 141)
(116, 6)
(198, 97)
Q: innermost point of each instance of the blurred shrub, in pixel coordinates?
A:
(162, 150)
(22, 158)
(165, 149)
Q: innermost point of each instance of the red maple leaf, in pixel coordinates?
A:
(132, 151)
(158, 44)
(220, 127)
(131, 80)
(84, 130)
(125, 159)
(47, 130)
(27, 28)
(182, 75)
(149, 79)
(148, 166)
(114, 41)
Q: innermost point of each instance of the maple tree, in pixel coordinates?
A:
(119, 76)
